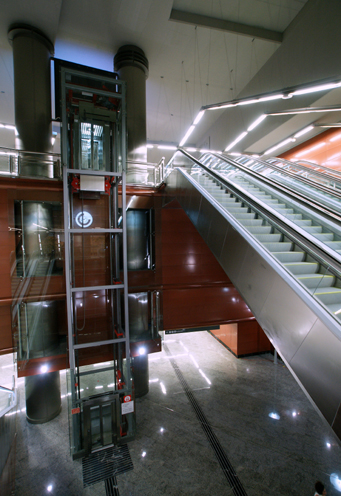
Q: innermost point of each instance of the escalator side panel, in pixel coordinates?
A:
(317, 361)
(304, 335)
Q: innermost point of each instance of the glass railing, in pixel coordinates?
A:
(322, 186)
(145, 174)
(30, 164)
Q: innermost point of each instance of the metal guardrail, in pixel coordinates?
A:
(21, 163)
(15, 162)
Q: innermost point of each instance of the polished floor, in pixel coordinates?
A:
(210, 425)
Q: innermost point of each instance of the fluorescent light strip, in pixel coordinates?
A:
(271, 97)
(167, 147)
(306, 110)
(303, 131)
(150, 146)
(282, 143)
(239, 138)
(187, 135)
(256, 122)
(192, 149)
(313, 89)
(198, 117)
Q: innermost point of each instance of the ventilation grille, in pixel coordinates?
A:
(105, 464)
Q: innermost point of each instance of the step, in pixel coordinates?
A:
(316, 281)
(258, 229)
(249, 223)
(329, 296)
(335, 309)
(290, 256)
(313, 229)
(335, 245)
(275, 247)
(302, 267)
(324, 236)
(269, 238)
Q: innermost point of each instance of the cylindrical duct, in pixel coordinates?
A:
(43, 402)
(141, 375)
(32, 92)
(132, 66)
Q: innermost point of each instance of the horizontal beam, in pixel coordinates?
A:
(224, 25)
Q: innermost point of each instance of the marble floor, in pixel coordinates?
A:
(205, 410)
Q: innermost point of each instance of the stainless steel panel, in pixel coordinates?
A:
(317, 366)
(305, 335)
(138, 315)
(137, 238)
(293, 319)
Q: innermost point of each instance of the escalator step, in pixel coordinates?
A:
(316, 281)
(302, 267)
(290, 256)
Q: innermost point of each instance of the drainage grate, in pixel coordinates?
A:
(111, 488)
(105, 464)
(219, 452)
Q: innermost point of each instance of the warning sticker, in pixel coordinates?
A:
(127, 407)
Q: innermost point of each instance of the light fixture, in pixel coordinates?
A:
(167, 147)
(256, 122)
(49, 488)
(274, 415)
(187, 135)
(313, 89)
(143, 454)
(198, 117)
(191, 149)
(150, 146)
(271, 97)
(218, 107)
(303, 131)
(43, 369)
(142, 350)
(235, 154)
(163, 389)
(239, 138)
(307, 110)
(282, 143)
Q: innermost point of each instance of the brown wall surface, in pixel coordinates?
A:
(196, 290)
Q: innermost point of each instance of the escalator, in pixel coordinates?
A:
(284, 258)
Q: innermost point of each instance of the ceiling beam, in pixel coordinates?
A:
(224, 25)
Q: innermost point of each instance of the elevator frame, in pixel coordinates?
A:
(114, 175)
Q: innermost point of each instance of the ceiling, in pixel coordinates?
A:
(189, 65)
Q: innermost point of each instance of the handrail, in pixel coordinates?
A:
(305, 180)
(310, 244)
(328, 174)
(311, 167)
(286, 189)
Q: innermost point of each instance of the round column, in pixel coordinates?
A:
(32, 89)
(132, 66)
(141, 375)
(43, 402)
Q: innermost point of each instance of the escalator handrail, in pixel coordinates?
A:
(326, 189)
(308, 297)
(330, 212)
(329, 173)
(310, 244)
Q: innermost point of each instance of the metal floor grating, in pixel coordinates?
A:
(111, 488)
(105, 464)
